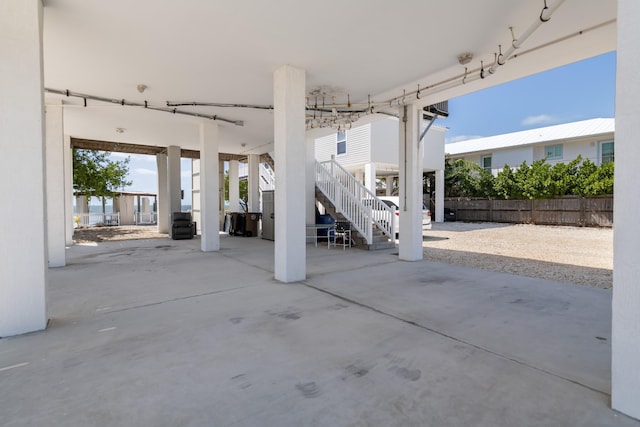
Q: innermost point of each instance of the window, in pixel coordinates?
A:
(606, 152)
(485, 162)
(341, 147)
(553, 152)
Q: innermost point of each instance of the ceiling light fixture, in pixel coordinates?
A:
(141, 87)
(120, 130)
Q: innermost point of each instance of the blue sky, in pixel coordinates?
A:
(579, 91)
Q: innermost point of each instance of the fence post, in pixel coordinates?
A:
(491, 219)
(533, 212)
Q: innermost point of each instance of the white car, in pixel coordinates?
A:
(394, 201)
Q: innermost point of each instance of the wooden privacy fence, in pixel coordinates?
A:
(568, 210)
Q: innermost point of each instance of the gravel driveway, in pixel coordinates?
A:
(577, 255)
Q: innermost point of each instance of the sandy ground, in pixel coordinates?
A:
(582, 256)
(125, 232)
(569, 254)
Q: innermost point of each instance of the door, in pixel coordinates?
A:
(267, 215)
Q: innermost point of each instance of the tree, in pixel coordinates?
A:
(599, 181)
(96, 175)
(467, 179)
(505, 185)
(243, 188)
(565, 177)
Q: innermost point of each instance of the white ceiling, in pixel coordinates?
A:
(226, 52)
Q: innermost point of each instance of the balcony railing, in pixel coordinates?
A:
(145, 218)
(97, 219)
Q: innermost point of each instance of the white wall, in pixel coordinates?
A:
(512, 157)
(434, 149)
(23, 246)
(384, 141)
(625, 344)
(358, 146)
(325, 147)
(195, 193)
(127, 209)
(587, 148)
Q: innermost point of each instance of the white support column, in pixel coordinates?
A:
(81, 205)
(196, 207)
(68, 190)
(310, 186)
(234, 187)
(290, 159)
(389, 185)
(411, 157)
(440, 195)
(23, 264)
(163, 194)
(221, 191)
(370, 177)
(173, 181)
(56, 224)
(625, 345)
(209, 188)
(116, 206)
(253, 187)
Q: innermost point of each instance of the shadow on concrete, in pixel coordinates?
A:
(586, 276)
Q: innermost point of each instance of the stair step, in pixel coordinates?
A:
(376, 246)
(380, 240)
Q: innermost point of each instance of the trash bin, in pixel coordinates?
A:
(251, 220)
(324, 219)
(449, 215)
(236, 223)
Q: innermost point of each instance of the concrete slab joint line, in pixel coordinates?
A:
(353, 338)
(429, 329)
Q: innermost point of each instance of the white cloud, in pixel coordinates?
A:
(185, 174)
(459, 138)
(143, 171)
(542, 119)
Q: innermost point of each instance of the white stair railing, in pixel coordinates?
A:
(353, 200)
(93, 219)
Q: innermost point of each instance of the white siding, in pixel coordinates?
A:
(434, 149)
(377, 142)
(358, 142)
(325, 147)
(512, 157)
(357, 147)
(588, 149)
(384, 141)
(475, 158)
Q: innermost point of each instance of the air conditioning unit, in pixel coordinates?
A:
(440, 109)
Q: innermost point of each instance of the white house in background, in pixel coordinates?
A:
(371, 152)
(592, 139)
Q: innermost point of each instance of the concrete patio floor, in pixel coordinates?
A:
(157, 333)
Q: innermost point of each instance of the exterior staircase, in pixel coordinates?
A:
(379, 239)
(346, 199)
